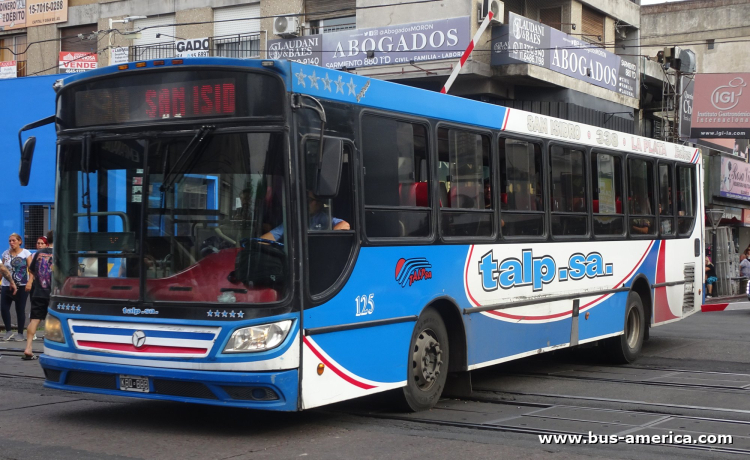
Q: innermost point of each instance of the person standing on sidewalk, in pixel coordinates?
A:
(39, 285)
(16, 259)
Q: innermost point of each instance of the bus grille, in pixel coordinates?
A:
(688, 300)
(92, 380)
(251, 393)
(53, 375)
(184, 389)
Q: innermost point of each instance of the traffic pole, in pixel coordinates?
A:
(467, 53)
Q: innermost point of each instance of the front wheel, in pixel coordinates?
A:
(625, 348)
(428, 362)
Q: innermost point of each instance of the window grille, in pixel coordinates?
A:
(37, 221)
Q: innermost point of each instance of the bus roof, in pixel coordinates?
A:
(379, 94)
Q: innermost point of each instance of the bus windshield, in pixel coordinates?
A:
(173, 218)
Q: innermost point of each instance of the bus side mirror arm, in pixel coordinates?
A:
(318, 107)
(27, 149)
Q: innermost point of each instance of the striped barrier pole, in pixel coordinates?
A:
(467, 53)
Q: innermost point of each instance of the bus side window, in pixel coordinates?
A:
(685, 199)
(568, 191)
(641, 197)
(521, 195)
(666, 208)
(606, 193)
(464, 183)
(396, 178)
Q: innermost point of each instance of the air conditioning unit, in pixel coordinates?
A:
(497, 8)
(286, 26)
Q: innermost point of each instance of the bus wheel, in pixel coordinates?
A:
(625, 348)
(428, 362)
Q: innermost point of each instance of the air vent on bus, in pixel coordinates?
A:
(92, 380)
(184, 389)
(688, 300)
(251, 393)
(53, 375)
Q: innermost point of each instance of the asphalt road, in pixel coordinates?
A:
(693, 377)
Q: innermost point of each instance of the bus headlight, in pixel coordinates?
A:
(53, 329)
(258, 338)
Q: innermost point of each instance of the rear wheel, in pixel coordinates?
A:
(625, 348)
(428, 362)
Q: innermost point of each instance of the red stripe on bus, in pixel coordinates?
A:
(144, 349)
(714, 307)
(336, 370)
(507, 117)
(466, 279)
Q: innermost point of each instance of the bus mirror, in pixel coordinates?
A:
(329, 169)
(27, 155)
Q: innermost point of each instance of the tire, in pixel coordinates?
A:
(625, 348)
(427, 363)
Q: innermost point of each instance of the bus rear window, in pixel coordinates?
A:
(171, 95)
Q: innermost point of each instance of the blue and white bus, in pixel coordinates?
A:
(272, 235)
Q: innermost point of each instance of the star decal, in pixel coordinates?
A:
(326, 83)
(210, 313)
(240, 314)
(313, 80)
(352, 87)
(232, 314)
(339, 85)
(300, 77)
(224, 314)
(78, 308)
(217, 313)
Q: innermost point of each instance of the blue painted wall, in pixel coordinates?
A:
(25, 100)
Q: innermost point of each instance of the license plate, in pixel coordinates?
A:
(134, 383)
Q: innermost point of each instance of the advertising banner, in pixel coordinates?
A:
(196, 47)
(41, 12)
(305, 50)
(721, 106)
(74, 62)
(397, 44)
(8, 69)
(118, 55)
(12, 14)
(525, 41)
(686, 107)
(735, 179)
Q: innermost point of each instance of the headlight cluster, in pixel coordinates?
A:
(53, 329)
(258, 338)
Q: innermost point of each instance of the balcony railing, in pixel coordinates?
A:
(235, 46)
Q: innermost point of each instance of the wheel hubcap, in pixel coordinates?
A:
(633, 326)
(426, 360)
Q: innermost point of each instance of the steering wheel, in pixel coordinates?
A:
(244, 241)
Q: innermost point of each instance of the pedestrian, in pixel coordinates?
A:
(744, 265)
(16, 259)
(710, 277)
(39, 285)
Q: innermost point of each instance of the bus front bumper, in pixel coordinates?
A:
(276, 390)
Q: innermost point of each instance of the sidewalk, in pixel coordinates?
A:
(725, 303)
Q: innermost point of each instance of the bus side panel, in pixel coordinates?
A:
(387, 283)
(512, 332)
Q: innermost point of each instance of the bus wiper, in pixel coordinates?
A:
(186, 155)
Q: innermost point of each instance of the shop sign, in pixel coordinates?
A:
(525, 41)
(118, 55)
(74, 62)
(12, 14)
(721, 107)
(686, 107)
(735, 179)
(196, 47)
(8, 69)
(746, 217)
(41, 12)
(397, 44)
